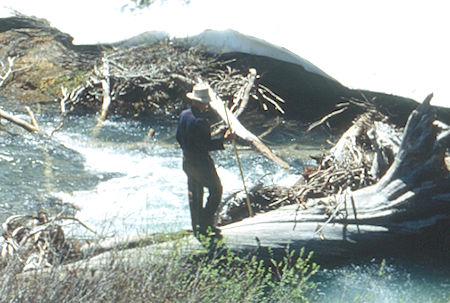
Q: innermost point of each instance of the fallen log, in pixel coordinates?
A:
(408, 206)
(118, 255)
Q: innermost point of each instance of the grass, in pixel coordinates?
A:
(145, 275)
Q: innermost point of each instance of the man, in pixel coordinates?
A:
(194, 137)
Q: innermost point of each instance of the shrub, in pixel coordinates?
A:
(166, 275)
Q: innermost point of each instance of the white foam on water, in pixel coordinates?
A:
(147, 192)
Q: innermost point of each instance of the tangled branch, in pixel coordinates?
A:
(37, 241)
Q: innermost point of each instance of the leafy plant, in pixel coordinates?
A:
(166, 275)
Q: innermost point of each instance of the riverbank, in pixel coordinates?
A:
(175, 268)
(151, 76)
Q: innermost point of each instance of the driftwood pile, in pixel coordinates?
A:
(153, 79)
(39, 241)
(360, 157)
(39, 244)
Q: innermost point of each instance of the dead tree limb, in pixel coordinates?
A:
(271, 97)
(321, 121)
(22, 123)
(246, 93)
(67, 99)
(8, 71)
(106, 89)
(218, 106)
(33, 120)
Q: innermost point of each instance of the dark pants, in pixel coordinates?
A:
(202, 173)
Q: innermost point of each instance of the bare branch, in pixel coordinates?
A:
(218, 105)
(27, 126)
(33, 120)
(321, 121)
(246, 92)
(265, 92)
(8, 72)
(106, 89)
(10, 69)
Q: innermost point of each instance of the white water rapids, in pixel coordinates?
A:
(149, 192)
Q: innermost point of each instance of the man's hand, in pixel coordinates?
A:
(229, 135)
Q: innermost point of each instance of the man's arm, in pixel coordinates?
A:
(205, 140)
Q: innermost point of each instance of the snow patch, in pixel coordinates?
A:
(227, 41)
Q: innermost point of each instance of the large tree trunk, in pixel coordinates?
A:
(411, 201)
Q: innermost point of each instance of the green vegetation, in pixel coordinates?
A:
(71, 80)
(217, 275)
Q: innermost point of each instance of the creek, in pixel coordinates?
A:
(118, 180)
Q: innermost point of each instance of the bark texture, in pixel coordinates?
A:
(409, 203)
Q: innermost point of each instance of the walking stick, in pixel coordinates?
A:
(250, 211)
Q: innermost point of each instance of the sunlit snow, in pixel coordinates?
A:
(396, 47)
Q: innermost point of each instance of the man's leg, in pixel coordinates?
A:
(214, 198)
(211, 181)
(195, 192)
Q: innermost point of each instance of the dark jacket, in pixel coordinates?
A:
(194, 135)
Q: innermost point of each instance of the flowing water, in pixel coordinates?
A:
(119, 178)
(122, 181)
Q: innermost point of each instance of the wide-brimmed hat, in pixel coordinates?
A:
(200, 93)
